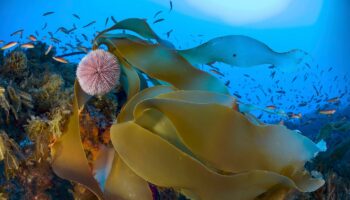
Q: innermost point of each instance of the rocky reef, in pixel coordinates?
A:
(34, 104)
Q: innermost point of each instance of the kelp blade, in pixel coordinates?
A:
(69, 159)
(164, 64)
(243, 51)
(158, 162)
(220, 140)
(136, 25)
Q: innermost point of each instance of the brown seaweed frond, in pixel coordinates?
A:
(15, 99)
(58, 118)
(44, 131)
(4, 104)
(15, 63)
(50, 94)
(11, 101)
(10, 153)
(38, 131)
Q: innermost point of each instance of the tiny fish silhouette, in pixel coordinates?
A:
(112, 18)
(157, 13)
(48, 13)
(76, 16)
(45, 25)
(158, 20)
(171, 6)
(89, 24)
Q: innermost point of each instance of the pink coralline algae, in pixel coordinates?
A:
(98, 72)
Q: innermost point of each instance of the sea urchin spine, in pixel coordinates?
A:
(98, 72)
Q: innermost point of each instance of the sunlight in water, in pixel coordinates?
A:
(241, 12)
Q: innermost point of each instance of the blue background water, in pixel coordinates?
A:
(319, 27)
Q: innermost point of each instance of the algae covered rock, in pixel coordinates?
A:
(15, 63)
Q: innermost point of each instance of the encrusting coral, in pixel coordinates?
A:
(167, 135)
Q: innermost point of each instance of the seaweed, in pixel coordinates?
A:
(237, 50)
(50, 93)
(123, 136)
(10, 153)
(326, 130)
(194, 154)
(15, 64)
(33, 113)
(4, 104)
(14, 101)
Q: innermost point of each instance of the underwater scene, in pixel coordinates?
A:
(174, 100)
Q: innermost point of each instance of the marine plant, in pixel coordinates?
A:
(186, 132)
(10, 153)
(15, 63)
(29, 124)
(50, 92)
(12, 101)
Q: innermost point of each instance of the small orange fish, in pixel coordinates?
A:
(32, 38)
(27, 46)
(61, 60)
(271, 107)
(48, 50)
(82, 48)
(9, 45)
(333, 100)
(234, 105)
(296, 116)
(327, 112)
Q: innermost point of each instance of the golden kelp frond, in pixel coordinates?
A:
(158, 162)
(69, 160)
(209, 126)
(188, 136)
(126, 114)
(101, 166)
(123, 183)
(143, 79)
(136, 25)
(112, 37)
(188, 130)
(201, 97)
(130, 79)
(165, 64)
(243, 51)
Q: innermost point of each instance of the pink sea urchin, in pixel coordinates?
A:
(98, 72)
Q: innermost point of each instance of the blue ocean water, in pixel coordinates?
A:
(318, 27)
